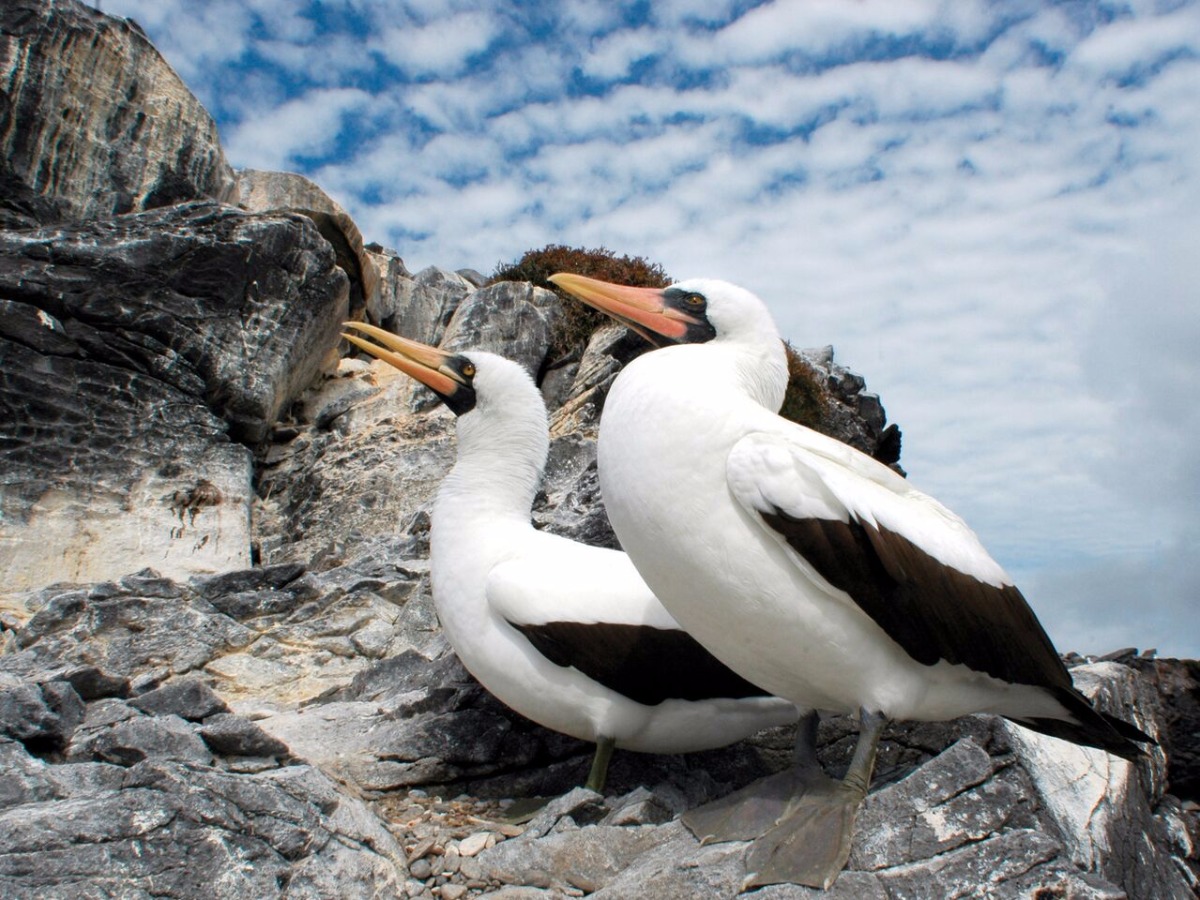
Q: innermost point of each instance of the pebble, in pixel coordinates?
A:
(421, 849)
(474, 843)
(470, 869)
(420, 868)
(452, 891)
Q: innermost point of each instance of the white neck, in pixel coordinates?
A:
(481, 514)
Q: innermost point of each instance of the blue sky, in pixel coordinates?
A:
(990, 209)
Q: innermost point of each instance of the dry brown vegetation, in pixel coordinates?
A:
(577, 323)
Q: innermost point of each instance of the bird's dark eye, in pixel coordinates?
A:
(694, 300)
(468, 370)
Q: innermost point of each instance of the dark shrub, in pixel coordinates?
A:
(573, 329)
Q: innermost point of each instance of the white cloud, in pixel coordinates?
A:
(307, 126)
(610, 58)
(440, 48)
(1116, 50)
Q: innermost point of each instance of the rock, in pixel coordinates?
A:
(581, 805)
(390, 272)
(1106, 810)
(475, 843)
(188, 698)
(268, 192)
(586, 859)
(369, 484)
(138, 738)
(95, 122)
(425, 304)
(231, 735)
(844, 408)
(99, 833)
(132, 421)
(510, 318)
(130, 631)
(42, 717)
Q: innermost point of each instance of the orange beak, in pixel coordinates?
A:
(422, 362)
(639, 308)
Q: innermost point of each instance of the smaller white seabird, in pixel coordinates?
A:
(564, 633)
(806, 566)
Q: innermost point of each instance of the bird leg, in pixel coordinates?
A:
(752, 811)
(525, 809)
(811, 841)
(599, 773)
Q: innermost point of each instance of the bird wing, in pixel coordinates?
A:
(592, 611)
(910, 564)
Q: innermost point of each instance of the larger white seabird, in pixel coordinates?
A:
(805, 565)
(564, 633)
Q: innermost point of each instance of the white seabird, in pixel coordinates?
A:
(564, 633)
(805, 565)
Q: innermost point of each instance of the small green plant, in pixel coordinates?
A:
(578, 321)
(806, 400)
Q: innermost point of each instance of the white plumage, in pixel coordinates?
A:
(806, 566)
(561, 632)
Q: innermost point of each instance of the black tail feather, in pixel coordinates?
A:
(1092, 728)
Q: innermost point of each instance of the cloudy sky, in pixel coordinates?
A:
(990, 209)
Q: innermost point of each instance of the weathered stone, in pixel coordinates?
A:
(640, 807)
(586, 859)
(989, 866)
(389, 272)
(248, 580)
(42, 717)
(268, 192)
(188, 698)
(130, 422)
(136, 738)
(95, 122)
(679, 869)
(510, 318)
(938, 807)
(581, 805)
(230, 735)
(127, 832)
(368, 484)
(128, 633)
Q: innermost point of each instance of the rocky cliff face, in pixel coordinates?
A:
(94, 122)
(266, 706)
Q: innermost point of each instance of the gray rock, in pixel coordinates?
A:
(422, 306)
(71, 74)
(678, 868)
(134, 738)
(230, 735)
(131, 421)
(130, 633)
(510, 318)
(942, 805)
(42, 716)
(640, 807)
(188, 698)
(266, 192)
(586, 859)
(241, 835)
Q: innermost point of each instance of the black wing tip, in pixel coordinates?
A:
(1093, 728)
(1129, 731)
(1109, 741)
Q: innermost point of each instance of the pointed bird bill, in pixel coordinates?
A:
(639, 308)
(424, 363)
